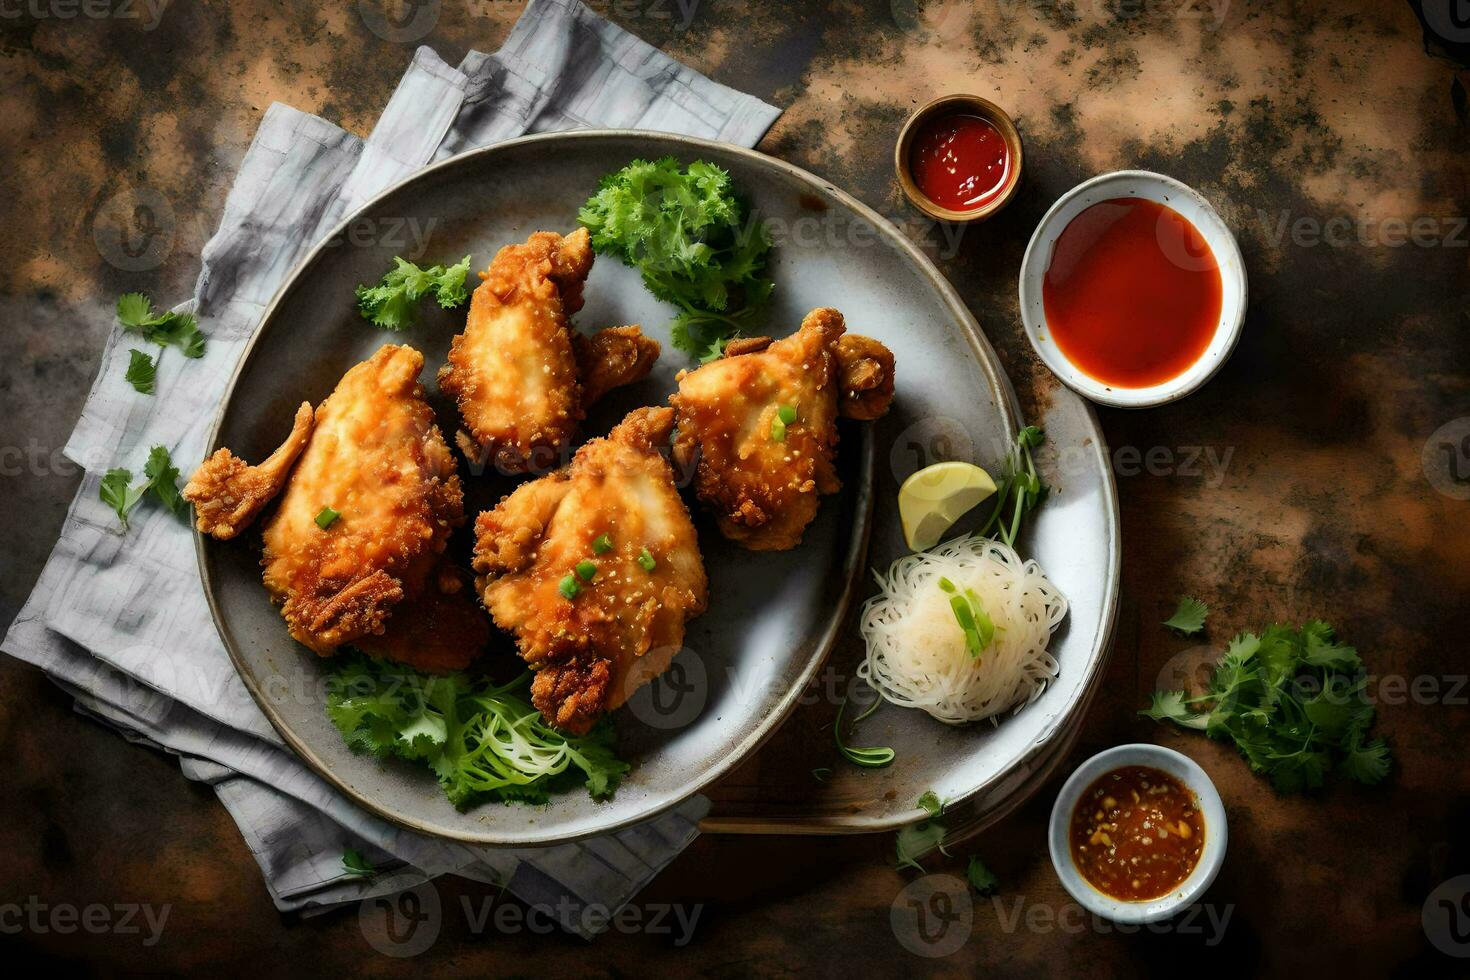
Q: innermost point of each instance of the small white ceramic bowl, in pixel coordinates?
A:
(1182, 768)
(1183, 199)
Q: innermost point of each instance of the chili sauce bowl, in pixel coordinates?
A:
(969, 105)
(1212, 854)
(1188, 204)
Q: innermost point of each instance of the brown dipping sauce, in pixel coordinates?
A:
(1136, 834)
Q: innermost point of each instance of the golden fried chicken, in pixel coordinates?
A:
(440, 629)
(227, 493)
(595, 569)
(760, 425)
(377, 459)
(521, 376)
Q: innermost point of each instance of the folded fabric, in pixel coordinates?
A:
(120, 621)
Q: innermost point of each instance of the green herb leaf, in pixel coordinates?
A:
(181, 330)
(133, 309)
(1189, 617)
(326, 517)
(1292, 701)
(602, 545)
(141, 372)
(355, 864)
(163, 480)
(483, 742)
(392, 303)
(116, 493)
(646, 560)
(916, 840)
(568, 587)
(692, 241)
(981, 878)
(929, 803)
(1020, 490)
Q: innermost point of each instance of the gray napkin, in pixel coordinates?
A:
(119, 620)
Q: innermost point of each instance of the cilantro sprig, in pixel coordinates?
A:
(392, 303)
(692, 239)
(1294, 703)
(1020, 488)
(484, 742)
(354, 863)
(160, 477)
(1189, 616)
(167, 329)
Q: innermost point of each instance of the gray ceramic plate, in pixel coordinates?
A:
(773, 617)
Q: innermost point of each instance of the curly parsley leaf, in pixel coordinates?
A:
(1293, 701)
(1189, 616)
(142, 371)
(693, 241)
(392, 303)
(354, 863)
(483, 742)
(981, 878)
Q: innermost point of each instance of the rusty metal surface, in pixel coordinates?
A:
(1292, 486)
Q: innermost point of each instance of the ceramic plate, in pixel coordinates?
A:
(773, 618)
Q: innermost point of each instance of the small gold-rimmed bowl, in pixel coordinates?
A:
(946, 105)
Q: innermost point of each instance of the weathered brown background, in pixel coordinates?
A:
(1353, 355)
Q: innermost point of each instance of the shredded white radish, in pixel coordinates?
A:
(917, 656)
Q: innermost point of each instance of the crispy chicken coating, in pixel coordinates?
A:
(377, 458)
(759, 425)
(518, 370)
(594, 638)
(227, 493)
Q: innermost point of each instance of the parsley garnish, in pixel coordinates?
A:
(355, 864)
(1020, 488)
(483, 742)
(1189, 617)
(874, 757)
(1294, 703)
(693, 242)
(391, 303)
(142, 370)
(982, 879)
(918, 839)
(181, 330)
(160, 476)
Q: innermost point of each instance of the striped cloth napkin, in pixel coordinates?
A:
(120, 621)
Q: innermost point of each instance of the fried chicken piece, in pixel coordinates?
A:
(763, 477)
(440, 630)
(518, 369)
(227, 493)
(621, 629)
(377, 458)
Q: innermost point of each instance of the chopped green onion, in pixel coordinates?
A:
(947, 585)
(602, 545)
(984, 625)
(586, 569)
(325, 518)
(872, 757)
(778, 429)
(966, 619)
(786, 414)
(569, 587)
(645, 558)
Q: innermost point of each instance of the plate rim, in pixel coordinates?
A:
(985, 356)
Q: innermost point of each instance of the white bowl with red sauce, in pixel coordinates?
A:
(1210, 826)
(1133, 289)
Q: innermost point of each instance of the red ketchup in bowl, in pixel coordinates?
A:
(960, 161)
(1132, 294)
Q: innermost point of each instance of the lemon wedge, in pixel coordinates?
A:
(930, 501)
